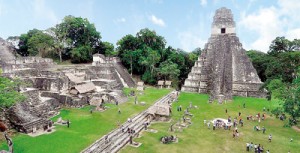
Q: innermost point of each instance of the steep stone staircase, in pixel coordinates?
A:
(124, 74)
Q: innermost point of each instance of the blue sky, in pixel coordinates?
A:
(185, 24)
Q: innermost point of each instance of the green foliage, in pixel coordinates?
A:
(277, 111)
(108, 49)
(291, 98)
(8, 92)
(40, 44)
(142, 54)
(276, 87)
(68, 39)
(81, 54)
(79, 36)
(169, 70)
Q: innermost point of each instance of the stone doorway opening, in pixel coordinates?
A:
(223, 30)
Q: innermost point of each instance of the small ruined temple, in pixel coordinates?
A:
(223, 69)
(48, 86)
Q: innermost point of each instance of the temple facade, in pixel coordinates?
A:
(223, 69)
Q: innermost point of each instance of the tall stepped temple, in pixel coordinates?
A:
(223, 69)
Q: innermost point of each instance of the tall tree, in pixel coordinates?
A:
(40, 44)
(78, 34)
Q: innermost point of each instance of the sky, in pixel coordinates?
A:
(185, 24)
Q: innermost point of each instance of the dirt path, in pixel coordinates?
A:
(296, 128)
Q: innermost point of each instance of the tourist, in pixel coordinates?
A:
(262, 149)
(264, 109)
(119, 111)
(117, 103)
(268, 151)
(204, 122)
(68, 123)
(242, 123)
(255, 148)
(251, 145)
(244, 105)
(291, 140)
(263, 129)
(247, 146)
(226, 110)
(190, 104)
(240, 113)
(208, 125)
(257, 128)
(233, 134)
(214, 125)
(122, 128)
(270, 138)
(258, 148)
(135, 100)
(180, 108)
(229, 119)
(91, 111)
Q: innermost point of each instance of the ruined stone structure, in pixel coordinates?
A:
(49, 86)
(223, 68)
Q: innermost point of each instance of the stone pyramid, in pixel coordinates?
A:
(223, 69)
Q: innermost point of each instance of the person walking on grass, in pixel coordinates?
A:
(263, 129)
(119, 111)
(270, 138)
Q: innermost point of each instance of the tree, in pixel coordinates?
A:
(8, 92)
(81, 54)
(280, 45)
(23, 43)
(260, 62)
(291, 98)
(108, 48)
(276, 87)
(77, 33)
(169, 70)
(148, 38)
(40, 44)
(150, 62)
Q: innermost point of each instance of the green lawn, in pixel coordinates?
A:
(85, 128)
(197, 138)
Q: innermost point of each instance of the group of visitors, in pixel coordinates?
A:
(257, 148)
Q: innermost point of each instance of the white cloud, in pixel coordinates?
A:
(157, 21)
(41, 11)
(120, 20)
(203, 2)
(293, 34)
(271, 22)
(266, 23)
(189, 40)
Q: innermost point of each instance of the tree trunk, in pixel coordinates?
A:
(60, 58)
(131, 65)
